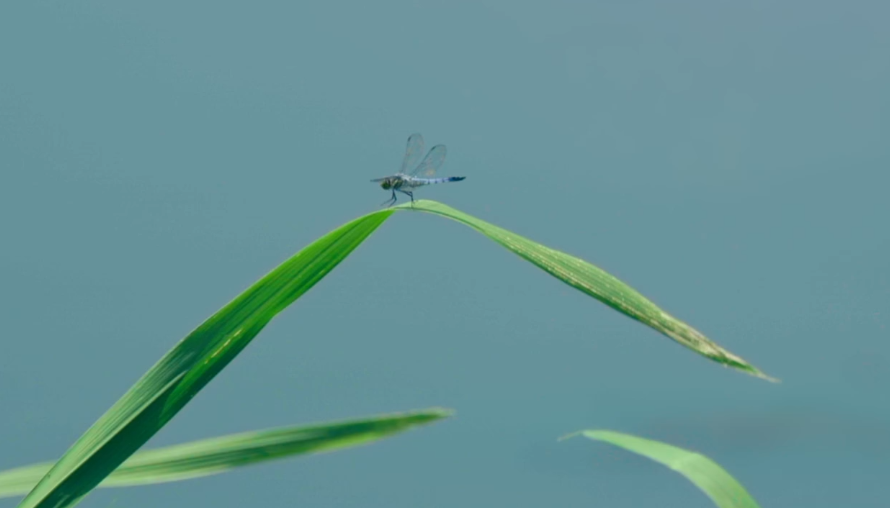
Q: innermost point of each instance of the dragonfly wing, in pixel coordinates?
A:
(431, 163)
(412, 153)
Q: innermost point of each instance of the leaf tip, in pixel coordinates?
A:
(441, 412)
(569, 436)
(761, 375)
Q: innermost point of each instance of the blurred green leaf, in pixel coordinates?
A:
(706, 474)
(220, 454)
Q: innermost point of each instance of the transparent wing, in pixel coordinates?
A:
(431, 163)
(412, 153)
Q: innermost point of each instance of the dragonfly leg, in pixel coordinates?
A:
(409, 194)
(391, 200)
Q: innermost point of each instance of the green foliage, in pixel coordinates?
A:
(706, 474)
(168, 386)
(189, 366)
(593, 281)
(220, 454)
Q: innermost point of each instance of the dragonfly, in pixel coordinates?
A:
(414, 175)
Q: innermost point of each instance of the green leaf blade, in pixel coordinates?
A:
(597, 283)
(190, 365)
(221, 454)
(707, 475)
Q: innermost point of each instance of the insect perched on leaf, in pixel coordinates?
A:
(414, 175)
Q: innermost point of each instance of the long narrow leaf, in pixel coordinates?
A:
(220, 454)
(593, 281)
(192, 363)
(189, 366)
(706, 474)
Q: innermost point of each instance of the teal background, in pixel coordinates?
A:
(727, 159)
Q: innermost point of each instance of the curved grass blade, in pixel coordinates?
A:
(221, 454)
(707, 475)
(189, 366)
(595, 282)
(156, 397)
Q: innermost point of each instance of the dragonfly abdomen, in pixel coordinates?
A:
(417, 182)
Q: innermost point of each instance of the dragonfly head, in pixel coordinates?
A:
(386, 184)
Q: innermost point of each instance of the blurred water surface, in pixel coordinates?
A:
(729, 160)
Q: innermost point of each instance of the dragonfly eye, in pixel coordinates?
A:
(386, 184)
